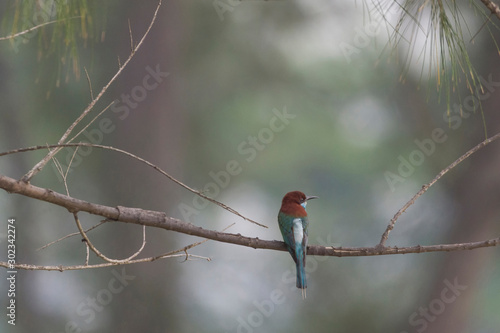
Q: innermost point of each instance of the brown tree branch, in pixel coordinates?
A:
(426, 186)
(161, 220)
(61, 268)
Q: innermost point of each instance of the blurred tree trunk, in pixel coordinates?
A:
(477, 196)
(154, 130)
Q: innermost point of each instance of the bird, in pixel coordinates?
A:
(293, 222)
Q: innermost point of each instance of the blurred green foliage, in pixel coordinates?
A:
(73, 25)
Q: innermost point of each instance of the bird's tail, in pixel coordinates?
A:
(301, 272)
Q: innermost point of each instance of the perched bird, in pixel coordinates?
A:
(293, 222)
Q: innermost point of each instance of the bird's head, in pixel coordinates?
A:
(294, 203)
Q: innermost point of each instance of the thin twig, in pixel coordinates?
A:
(90, 122)
(64, 175)
(143, 244)
(58, 166)
(102, 256)
(69, 167)
(36, 27)
(39, 166)
(131, 37)
(425, 187)
(90, 83)
(201, 242)
(71, 235)
(87, 250)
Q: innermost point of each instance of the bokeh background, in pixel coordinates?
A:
(233, 67)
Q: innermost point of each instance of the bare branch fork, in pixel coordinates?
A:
(161, 220)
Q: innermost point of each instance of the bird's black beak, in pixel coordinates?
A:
(311, 197)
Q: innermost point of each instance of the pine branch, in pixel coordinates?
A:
(493, 7)
(35, 28)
